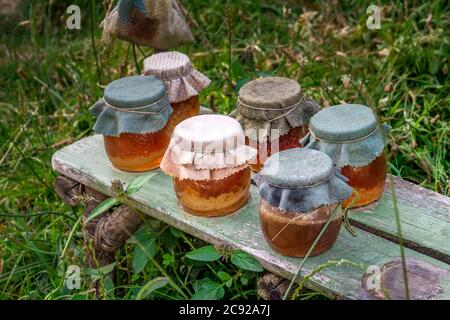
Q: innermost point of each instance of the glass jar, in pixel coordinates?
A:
(292, 233)
(132, 117)
(183, 110)
(137, 151)
(274, 114)
(214, 197)
(182, 81)
(208, 160)
(351, 136)
(300, 193)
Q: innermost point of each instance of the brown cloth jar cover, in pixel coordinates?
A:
(273, 103)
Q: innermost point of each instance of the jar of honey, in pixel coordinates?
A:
(132, 117)
(300, 192)
(208, 160)
(351, 135)
(274, 114)
(183, 83)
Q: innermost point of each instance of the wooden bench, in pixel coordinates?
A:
(347, 271)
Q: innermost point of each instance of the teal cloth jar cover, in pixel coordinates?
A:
(132, 118)
(351, 135)
(300, 190)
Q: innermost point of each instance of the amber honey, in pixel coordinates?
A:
(137, 151)
(183, 110)
(214, 197)
(287, 141)
(293, 233)
(368, 181)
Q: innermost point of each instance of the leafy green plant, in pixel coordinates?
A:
(119, 194)
(206, 253)
(152, 286)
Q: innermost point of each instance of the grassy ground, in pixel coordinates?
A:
(50, 76)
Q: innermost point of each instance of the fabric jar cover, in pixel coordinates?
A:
(158, 24)
(176, 70)
(301, 180)
(273, 103)
(207, 147)
(135, 104)
(349, 134)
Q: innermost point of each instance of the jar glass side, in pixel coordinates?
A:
(214, 197)
(137, 152)
(368, 181)
(183, 110)
(289, 140)
(293, 233)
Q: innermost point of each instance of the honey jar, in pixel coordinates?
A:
(183, 83)
(132, 117)
(274, 114)
(351, 135)
(208, 160)
(300, 191)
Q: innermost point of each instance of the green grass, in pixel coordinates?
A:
(49, 78)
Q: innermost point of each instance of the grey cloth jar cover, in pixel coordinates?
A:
(301, 180)
(349, 134)
(273, 103)
(136, 104)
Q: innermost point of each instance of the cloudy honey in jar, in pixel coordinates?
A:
(351, 135)
(274, 114)
(182, 81)
(292, 234)
(300, 195)
(214, 197)
(208, 160)
(132, 117)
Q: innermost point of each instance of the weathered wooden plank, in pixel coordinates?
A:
(85, 161)
(425, 218)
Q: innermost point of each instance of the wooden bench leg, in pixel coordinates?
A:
(272, 287)
(108, 232)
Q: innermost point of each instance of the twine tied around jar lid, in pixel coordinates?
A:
(289, 108)
(313, 138)
(137, 109)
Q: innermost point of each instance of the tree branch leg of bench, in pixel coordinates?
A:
(108, 232)
(272, 287)
(113, 230)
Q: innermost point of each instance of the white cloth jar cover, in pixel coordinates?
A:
(176, 71)
(207, 147)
